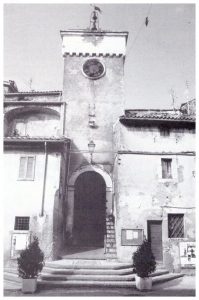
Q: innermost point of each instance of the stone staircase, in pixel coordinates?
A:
(84, 273)
(110, 242)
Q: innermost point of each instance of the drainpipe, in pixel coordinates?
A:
(64, 119)
(44, 181)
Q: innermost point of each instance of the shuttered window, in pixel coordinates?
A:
(166, 167)
(176, 225)
(164, 131)
(26, 168)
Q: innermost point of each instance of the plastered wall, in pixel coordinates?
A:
(143, 195)
(24, 198)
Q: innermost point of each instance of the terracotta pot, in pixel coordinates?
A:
(143, 283)
(29, 285)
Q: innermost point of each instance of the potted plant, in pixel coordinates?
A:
(30, 263)
(144, 264)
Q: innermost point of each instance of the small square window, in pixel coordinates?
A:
(26, 167)
(176, 225)
(166, 167)
(22, 223)
(164, 131)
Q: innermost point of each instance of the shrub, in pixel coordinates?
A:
(31, 260)
(143, 260)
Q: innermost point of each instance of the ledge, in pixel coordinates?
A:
(190, 153)
(32, 102)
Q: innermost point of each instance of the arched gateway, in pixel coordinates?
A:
(89, 201)
(89, 209)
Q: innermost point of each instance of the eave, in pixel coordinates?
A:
(187, 123)
(52, 143)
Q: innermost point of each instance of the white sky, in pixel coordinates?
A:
(160, 57)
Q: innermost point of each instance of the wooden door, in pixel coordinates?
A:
(155, 237)
(90, 209)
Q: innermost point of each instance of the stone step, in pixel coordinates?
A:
(166, 277)
(50, 284)
(125, 271)
(13, 277)
(11, 270)
(93, 283)
(121, 272)
(112, 256)
(47, 275)
(110, 245)
(111, 250)
(110, 236)
(117, 278)
(11, 285)
(87, 264)
(189, 270)
(83, 277)
(110, 239)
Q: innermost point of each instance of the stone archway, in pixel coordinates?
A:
(71, 195)
(89, 225)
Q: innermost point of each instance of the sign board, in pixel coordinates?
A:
(19, 241)
(188, 253)
(131, 237)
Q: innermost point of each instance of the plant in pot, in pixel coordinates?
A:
(30, 263)
(144, 264)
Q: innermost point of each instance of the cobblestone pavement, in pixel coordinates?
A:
(180, 287)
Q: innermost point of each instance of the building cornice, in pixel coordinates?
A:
(33, 93)
(26, 139)
(87, 32)
(32, 102)
(161, 153)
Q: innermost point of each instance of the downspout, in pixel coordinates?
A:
(44, 181)
(64, 120)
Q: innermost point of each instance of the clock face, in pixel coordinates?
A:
(93, 69)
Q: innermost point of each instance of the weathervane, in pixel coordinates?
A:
(94, 20)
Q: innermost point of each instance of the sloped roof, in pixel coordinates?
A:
(35, 139)
(34, 93)
(157, 115)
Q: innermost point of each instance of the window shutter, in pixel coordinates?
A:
(22, 167)
(30, 167)
(166, 168)
(163, 169)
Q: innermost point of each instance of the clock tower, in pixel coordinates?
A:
(93, 88)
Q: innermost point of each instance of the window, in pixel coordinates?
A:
(20, 128)
(166, 168)
(164, 131)
(22, 223)
(26, 167)
(176, 225)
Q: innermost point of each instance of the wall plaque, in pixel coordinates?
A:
(187, 253)
(131, 237)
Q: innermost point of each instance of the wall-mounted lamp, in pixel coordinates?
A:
(91, 149)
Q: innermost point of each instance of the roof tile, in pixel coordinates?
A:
(157, 115)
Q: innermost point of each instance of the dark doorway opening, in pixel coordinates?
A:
(155, 238)
(89, 210)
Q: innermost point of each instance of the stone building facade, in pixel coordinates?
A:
(83, 173)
